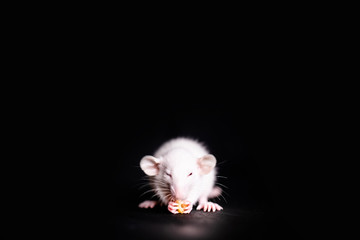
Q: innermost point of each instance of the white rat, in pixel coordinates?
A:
(182, 169)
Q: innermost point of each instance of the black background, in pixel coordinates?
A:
(263, 141)
(247, 90)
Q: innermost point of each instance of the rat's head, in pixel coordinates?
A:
(177, 172)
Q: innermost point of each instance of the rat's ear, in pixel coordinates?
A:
(150, 165)
(206, 163)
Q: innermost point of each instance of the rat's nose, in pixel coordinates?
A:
(179, 193)
(180, 196)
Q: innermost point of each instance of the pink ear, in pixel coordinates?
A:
(206, 163)
(150, 165)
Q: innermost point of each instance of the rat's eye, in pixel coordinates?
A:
(190, 174)
(168, 174)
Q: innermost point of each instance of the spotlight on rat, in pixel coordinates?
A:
(182, 174)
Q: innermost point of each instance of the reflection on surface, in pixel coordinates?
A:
(158, 224)
(198, 225)
(187, 231)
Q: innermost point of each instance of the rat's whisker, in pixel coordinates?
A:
(223, 197)
(151, 190)
(156, 194)
(222, 162)
(143, 186)
(222, 185)
(225, 193)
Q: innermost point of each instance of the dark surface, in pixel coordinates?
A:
(263, 151)
(231, 223)
(234, 222)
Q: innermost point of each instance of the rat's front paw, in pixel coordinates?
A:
(186, 207)
(147, 204)
(180, 207)
(209, 206)
(173, 207)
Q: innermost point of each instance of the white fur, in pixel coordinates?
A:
(171, 165)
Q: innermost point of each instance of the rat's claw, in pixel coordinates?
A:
(147, 204)
(200, 206)
(173, 210)
(218, 207)
(173, 207)
(209, 206)
(188, 208)
(173, 204)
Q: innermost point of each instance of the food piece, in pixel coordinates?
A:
(181, 206)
